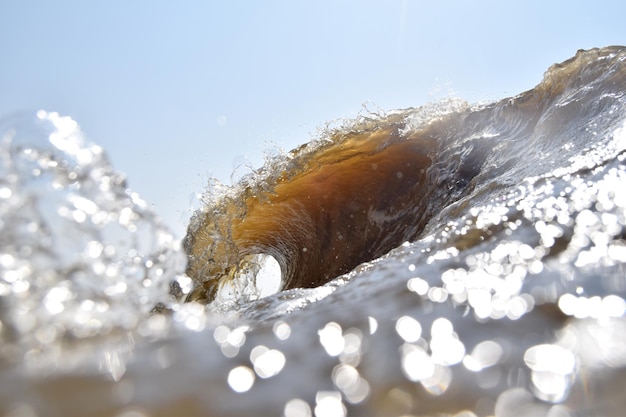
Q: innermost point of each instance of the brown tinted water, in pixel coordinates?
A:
(350, 200)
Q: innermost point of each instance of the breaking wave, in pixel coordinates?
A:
(364, 188)
(461, 259)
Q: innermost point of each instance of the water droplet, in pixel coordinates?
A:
(329, 404)
(241, 379)
(297, 408)
(373, 324)
(281, 330)
(331, 338)
(409, 329)
(267, 362)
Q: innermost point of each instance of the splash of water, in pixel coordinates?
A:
(509, 302)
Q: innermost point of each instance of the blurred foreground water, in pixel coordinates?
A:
(510, 302)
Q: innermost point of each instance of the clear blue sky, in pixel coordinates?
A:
(177, 92)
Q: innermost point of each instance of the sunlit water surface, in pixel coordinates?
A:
(511, 303)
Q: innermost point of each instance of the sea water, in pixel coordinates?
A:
(509, 301)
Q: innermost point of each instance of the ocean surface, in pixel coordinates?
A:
(482, 272)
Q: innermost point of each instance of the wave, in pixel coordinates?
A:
(360, 190)
(507, 297)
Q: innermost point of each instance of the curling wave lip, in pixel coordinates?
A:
(337, 204)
